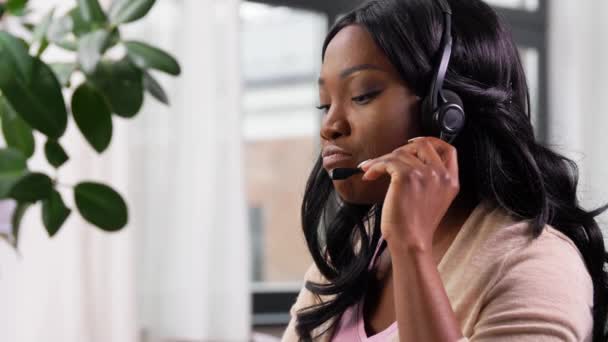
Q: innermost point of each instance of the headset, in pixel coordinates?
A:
(442, 110)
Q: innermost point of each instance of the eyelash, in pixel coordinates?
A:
(371, 96)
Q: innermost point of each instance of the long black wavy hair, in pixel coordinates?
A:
(499, 158)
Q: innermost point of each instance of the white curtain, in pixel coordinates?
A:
(578, 84)
(194, 252)
(180, 269)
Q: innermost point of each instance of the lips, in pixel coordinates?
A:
(335, 156)
(337, 159)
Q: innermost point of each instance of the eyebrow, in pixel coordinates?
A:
(348, 71)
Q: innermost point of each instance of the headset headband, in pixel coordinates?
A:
(446, 51)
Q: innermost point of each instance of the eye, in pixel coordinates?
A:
(366, 98)
(361, 99)
(323, 108)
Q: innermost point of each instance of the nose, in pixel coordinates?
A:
(334, 126)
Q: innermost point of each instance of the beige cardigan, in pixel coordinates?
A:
(502, 284)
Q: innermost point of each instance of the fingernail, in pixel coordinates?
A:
(414, 139)
(363, 162)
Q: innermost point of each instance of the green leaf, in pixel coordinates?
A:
(16, 7)
(14, 50)
(64, 72)
(91, 11)
(93, 116)
(79, 26)
(59, 28)
(149, 57)
(17, 133)
(101, 206)
(154, 88)
(27, 25)
(39, 34)
(91, 47)
(122, 84)
(32, 187)
(13, 165)
(54, 213)
(125, 11)
(70, 45)
(16, 219)
(114, 38)
(54, 153)
(31, 87)
(42, 28)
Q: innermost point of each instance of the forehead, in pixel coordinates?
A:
(352, 46)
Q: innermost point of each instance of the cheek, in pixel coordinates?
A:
(387, 134)
(392, 123)
(401, 123)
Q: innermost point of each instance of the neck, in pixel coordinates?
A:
(452, 221)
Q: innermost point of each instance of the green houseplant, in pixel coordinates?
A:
(32, 100)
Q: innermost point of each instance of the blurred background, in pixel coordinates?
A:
(213, 250)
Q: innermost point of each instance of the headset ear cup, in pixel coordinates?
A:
(451, 118)
(452, 97)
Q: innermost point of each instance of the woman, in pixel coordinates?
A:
(480, 240)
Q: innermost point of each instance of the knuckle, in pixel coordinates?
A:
(446, 178)
(391, 158)
(415, 174)
(432, 173)
(451, 149)
(397, 152)
(454, 183)
(450, 181)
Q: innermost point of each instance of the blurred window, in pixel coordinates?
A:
(281, 53)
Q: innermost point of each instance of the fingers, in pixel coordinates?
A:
(451, 162)
(422, 154)
(445, 154)
(393, 165)
(425, 151)
(448, 154)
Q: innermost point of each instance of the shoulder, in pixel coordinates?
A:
(313, 274)
(541, 284)
(305, 296)
(304, 300)
(552, 256)
(506, 243)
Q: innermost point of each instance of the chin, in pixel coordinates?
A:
(357, 201)
(354, 191)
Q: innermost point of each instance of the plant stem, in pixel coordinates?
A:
(43, 45)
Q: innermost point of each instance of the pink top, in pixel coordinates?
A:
(351, 327)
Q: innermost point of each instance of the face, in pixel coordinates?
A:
(368, 110)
